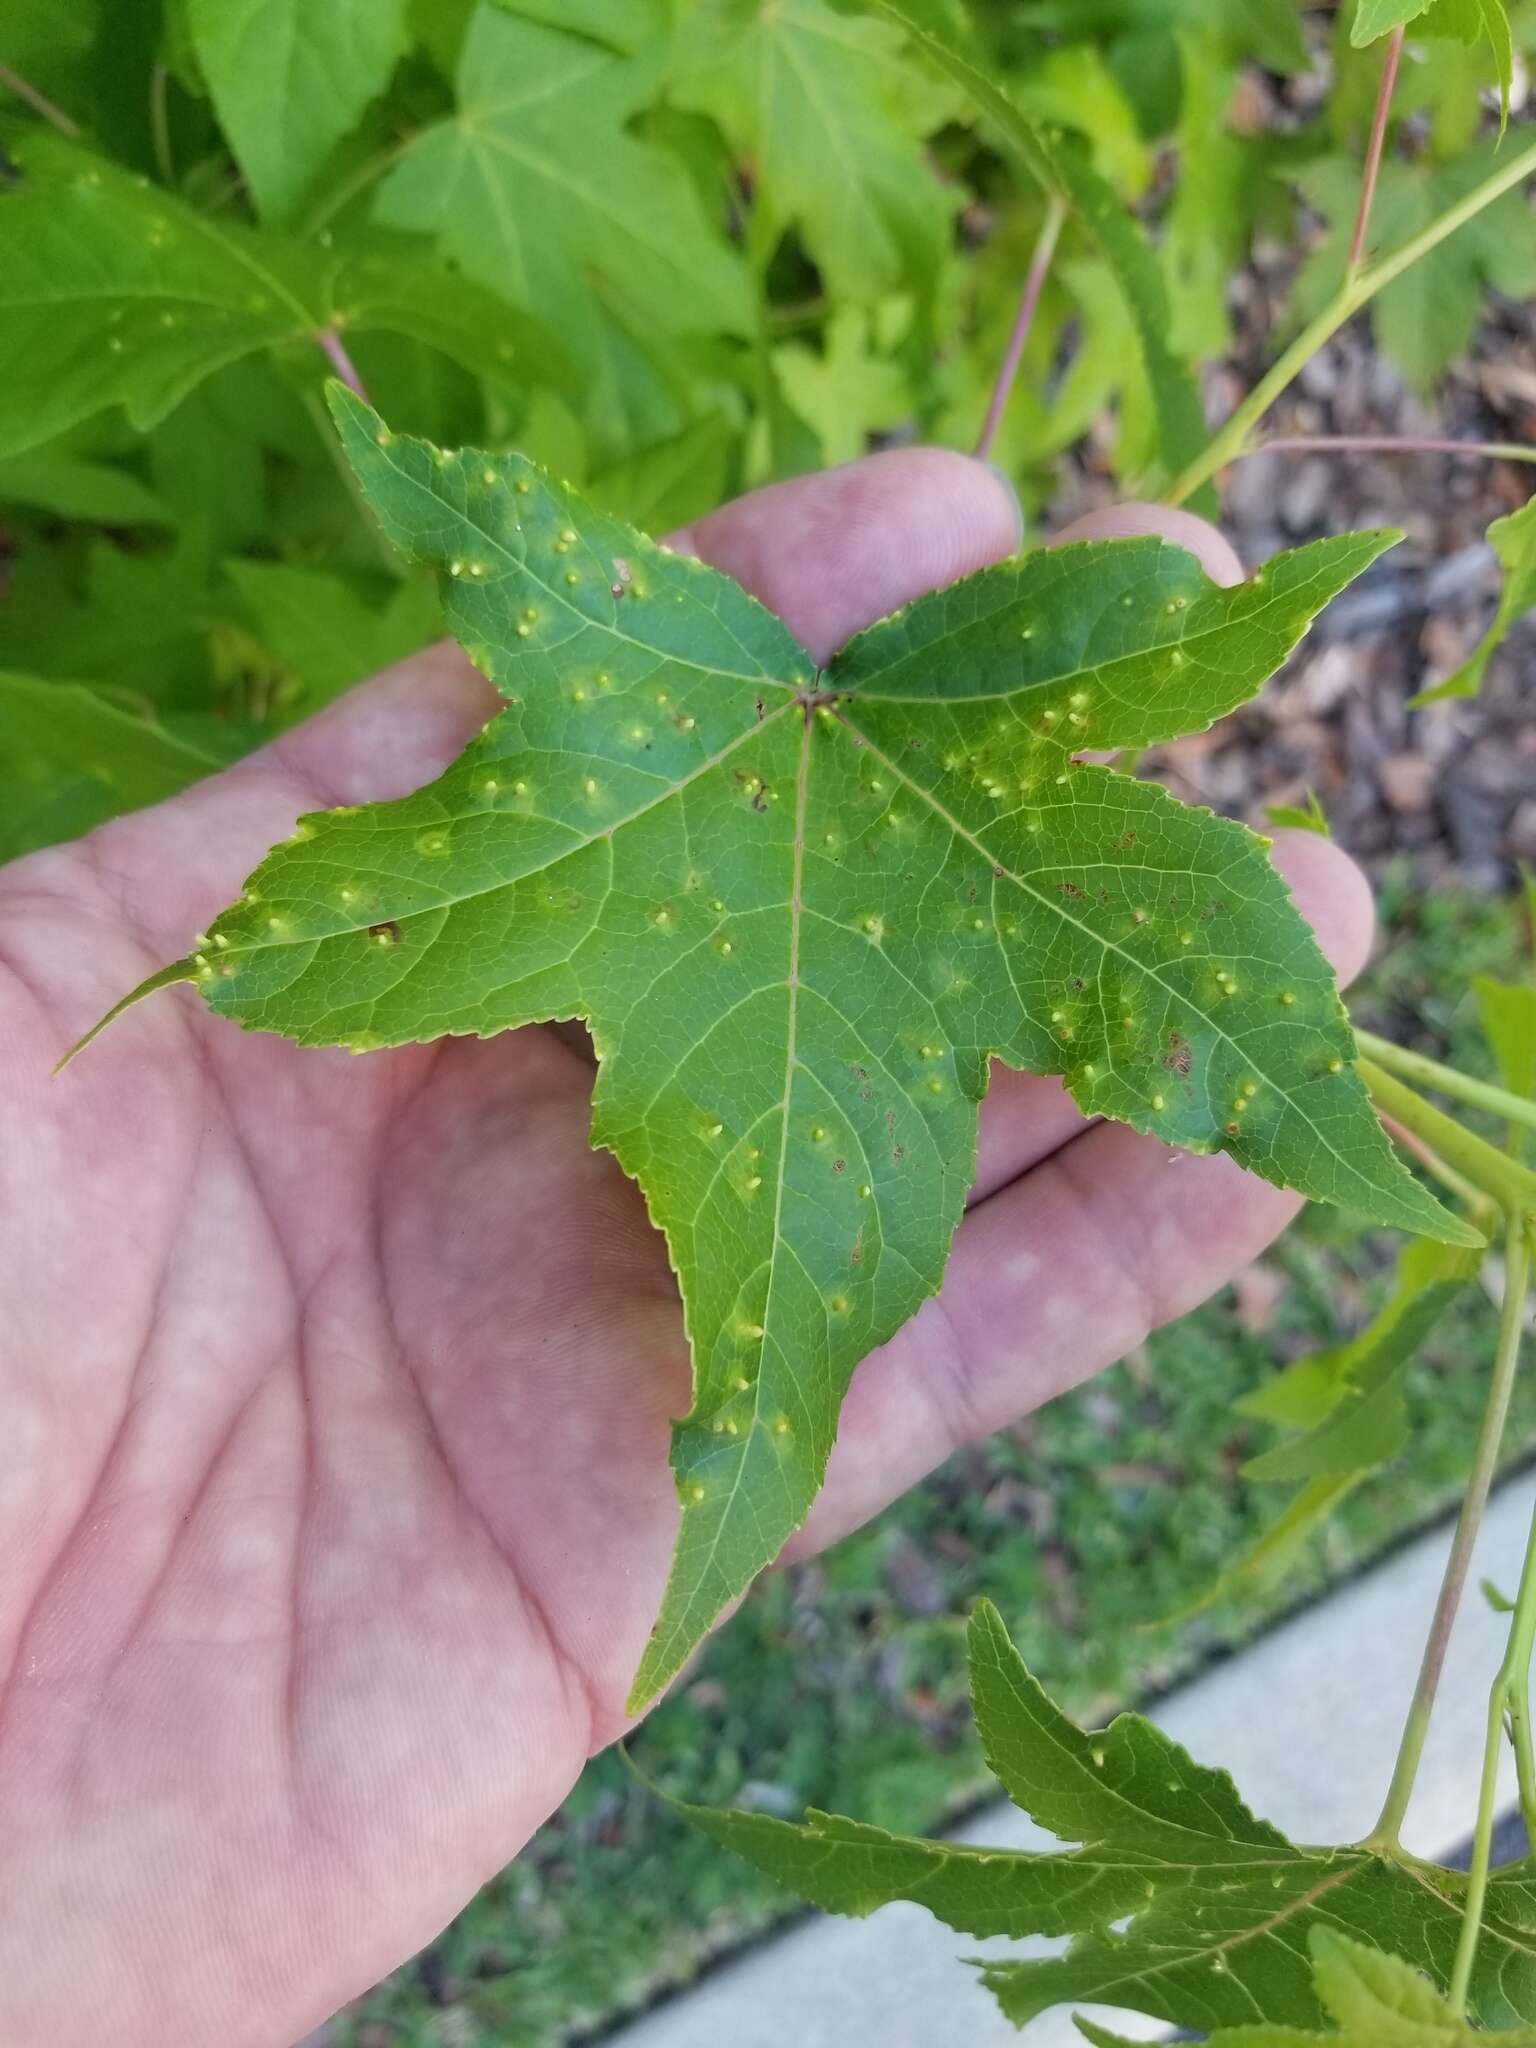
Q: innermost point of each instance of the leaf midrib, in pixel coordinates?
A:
(725, 1507)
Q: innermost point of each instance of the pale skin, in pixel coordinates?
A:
(334, 1392)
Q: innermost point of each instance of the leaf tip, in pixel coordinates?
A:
(167, 977)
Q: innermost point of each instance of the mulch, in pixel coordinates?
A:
(1449, 788)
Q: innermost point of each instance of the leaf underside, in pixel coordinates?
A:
(800, 911)
(1179, 1902)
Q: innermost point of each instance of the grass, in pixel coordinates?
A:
(841, 1683)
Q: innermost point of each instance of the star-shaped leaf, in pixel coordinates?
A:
(801, 910)
(537, 188)
(1181, 1904)
(290, 79)
(113, 292)
(808, 92)
(1377, 2000)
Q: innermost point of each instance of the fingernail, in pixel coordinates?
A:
(1012, 489)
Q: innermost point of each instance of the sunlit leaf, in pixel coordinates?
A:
(799, 911)
(1181, 1903)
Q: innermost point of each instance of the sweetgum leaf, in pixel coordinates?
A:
(61, 737)
(1181, 1903)
(1513, 540)
(289, 79)
(807, 93)
(113, 292)
(536, 186)
(1378, 2001)
(1109, 224)
(1376, 18)
(799, 912)
(1349, 1402)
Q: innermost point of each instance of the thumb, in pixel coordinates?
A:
(1211, 549)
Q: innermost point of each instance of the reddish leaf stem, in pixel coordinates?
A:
(28, 92)
(345, 368)
(1029, 299)
(1373, 151)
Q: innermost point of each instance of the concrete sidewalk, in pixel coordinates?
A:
(1307, 1720)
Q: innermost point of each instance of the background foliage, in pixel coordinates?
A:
(671, 250)
(675, 248)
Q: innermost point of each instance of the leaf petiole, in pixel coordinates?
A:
(1511, 1687)
(1352, 294)
(1428, 1073)
(1511, 1185)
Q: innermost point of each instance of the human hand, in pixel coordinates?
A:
(334, 1504)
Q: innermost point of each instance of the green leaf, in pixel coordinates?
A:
(324, 633)
(1508, 1014)
(800, 912)
(1376, 18)
(848, 389)
(1467, 21)
(57, 737)
(1499, 1602)
(72, 487)
(809, 94)
(1307, 817)
(622, 24)
(1182, 1904)
(290, 79)
(1350, 1401)
(1425, 318)
(114, 293)
(1378, 2000)
(1513, 540)
(537, 188)
(663, 486)
(1107, 223)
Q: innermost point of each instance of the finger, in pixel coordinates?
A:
(835, 551)
(1068, 1267)
(1214, 552)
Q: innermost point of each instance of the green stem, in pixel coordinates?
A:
(356, 181)
(160, 125)
(1511, 1185)
(1428, 1073)
(1386, 444)
(1352, 294)
(1514, 1672)
(26, 91)
(1485, 1459)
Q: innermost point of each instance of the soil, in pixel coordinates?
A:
(1451, 787)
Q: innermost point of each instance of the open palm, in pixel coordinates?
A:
(334, 1393)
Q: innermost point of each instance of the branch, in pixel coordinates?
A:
(1029, 299)
(1373, 151)
(1427, 1073)
(1352, 294)
(1511, 1684)
(39, 105)
(345, 368)
(1484, 1464)
(1386, 444)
